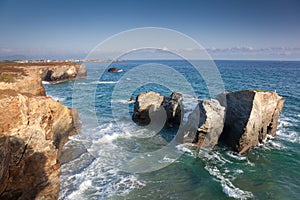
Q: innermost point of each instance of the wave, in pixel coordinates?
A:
(97, 83)
(214, 161)
(285, 130)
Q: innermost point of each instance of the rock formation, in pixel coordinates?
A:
(205, 124)
(237, 119)
(153, 106)
(250, 116)
(49, 71)
(33, 129)
(62, 72)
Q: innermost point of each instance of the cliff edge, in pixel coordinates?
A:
(33, 129)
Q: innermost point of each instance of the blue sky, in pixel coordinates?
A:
(265, 29)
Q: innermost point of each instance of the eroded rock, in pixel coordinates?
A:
(250, 116)
(205, 124)
(153, 106)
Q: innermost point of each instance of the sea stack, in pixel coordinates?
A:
(251, 115)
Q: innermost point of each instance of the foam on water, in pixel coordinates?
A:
(45, 83)
(57, 98)
(214, 161)
(97, 83)
(284, 130)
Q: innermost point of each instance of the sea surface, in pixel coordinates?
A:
(112, 158)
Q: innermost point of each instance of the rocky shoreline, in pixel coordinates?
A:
(239, 120)
(33, 128)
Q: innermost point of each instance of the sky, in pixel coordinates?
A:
(227, 29)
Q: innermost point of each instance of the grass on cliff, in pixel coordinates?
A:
(8, 77)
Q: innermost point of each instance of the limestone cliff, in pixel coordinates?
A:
(33, 129)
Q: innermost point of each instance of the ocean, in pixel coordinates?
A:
(113, 158)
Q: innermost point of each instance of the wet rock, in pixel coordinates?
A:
(250, 116)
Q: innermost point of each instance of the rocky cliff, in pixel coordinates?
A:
(33, 129)
(48, 71)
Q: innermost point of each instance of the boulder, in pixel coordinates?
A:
(152, 106)
(205, 124)
(251, 115)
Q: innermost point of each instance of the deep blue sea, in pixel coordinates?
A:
(116, 159)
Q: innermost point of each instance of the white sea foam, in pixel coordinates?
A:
(45, 82)
(57, 98)
(227, 186)
(184, 148)
(97, 82)
(167, 160)
(236, 155)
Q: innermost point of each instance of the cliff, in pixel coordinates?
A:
(48, 71)
(33, 129)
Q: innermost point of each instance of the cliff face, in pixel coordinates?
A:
(33, 129)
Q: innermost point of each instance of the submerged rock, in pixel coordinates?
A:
(152, 106)
(250, 116)
(205, 124)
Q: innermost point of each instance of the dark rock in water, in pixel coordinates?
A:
(205, 124)
(250, 116)
(113, 69)
(152, 106)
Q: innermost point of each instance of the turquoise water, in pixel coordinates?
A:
(269, 171)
